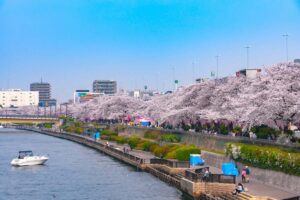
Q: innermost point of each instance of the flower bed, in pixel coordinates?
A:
(265, 157)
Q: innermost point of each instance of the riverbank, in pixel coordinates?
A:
(73, 171)
(138, 160)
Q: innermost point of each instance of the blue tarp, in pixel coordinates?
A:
(145, 123)
(97, 135)
(230, 169)
(195, 160)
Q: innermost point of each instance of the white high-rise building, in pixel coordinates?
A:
(18, 98)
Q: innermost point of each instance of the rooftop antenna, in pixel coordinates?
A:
(247, 52)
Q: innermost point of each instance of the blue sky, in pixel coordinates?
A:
(137, 43)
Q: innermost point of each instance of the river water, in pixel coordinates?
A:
(72, 172)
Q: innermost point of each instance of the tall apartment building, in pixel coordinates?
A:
(105, 87)
(44, 90)
(18, 98)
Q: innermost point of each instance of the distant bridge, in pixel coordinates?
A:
(27, 119)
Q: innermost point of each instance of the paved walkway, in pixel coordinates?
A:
(137, 153)
(259, 189)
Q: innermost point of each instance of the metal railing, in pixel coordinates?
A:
(170, 163)
(28, 117)
(200, 176)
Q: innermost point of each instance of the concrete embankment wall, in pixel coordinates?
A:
(196, 188)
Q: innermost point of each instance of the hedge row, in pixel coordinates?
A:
(169, 151)
(265, 157)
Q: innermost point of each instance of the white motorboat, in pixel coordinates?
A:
(27, 158)
(1, 126)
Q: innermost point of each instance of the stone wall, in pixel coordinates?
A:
(196, 188)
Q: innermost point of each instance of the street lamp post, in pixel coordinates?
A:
(286, 46)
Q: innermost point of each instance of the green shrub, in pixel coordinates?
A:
(154, 135)
(237, 129)
(183, 153)
(48, 125)
(153, 147)
(266, 157)
(77, 124)
(108, 132)
(70, 119)
(160, 151)
(133, 142)
(264, 132)
(147, 145)
(118, 139)
(170, 138)
(78, 130)
(119, 128)
(171, 155)
(224, 129)
(186, 127)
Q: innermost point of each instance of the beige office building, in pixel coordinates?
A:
(18, 98)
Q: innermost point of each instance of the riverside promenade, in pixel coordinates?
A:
(142, 160)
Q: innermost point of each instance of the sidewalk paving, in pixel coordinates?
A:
(260, 189)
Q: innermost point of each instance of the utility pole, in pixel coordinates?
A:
(173, 77)
(286, 46)
(193, 65)
(247, 55)
(66, 109)
(60, 109)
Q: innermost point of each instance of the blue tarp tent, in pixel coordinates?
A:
(145, 123)
(196, 160)
(97, 136)
(230, 169)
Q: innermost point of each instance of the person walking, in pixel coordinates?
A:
(247, 174)
(244, 174)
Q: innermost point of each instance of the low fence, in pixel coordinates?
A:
(199, 176)
(170, 163)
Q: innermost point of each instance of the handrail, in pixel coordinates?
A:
(27, 117)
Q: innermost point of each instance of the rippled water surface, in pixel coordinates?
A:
(72, 172)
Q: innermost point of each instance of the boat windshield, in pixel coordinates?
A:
(23, 154)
